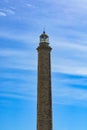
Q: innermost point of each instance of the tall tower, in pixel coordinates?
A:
(44, 98)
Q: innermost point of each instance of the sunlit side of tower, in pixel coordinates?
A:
(44, 96)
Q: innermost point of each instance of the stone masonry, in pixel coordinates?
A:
(44, 98)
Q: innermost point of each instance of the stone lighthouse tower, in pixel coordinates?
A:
(44, 98)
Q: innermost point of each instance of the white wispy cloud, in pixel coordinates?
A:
(29, 5)
(71, 69)
(7, 11)
(69, 57)
(18, 59)
(18, 96)
(67, 95)
(3, 13)
(68, 13)
(69, 66)
(27, 37)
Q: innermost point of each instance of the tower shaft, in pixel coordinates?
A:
(44, 98)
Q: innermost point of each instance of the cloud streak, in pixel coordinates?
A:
(6, 12)
(3, 14)
(71, 96)
(69, 89)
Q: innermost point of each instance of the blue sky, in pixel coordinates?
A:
(21, 23)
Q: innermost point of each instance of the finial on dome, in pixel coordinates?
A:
(43, 30)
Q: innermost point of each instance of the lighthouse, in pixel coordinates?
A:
(44, 92)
